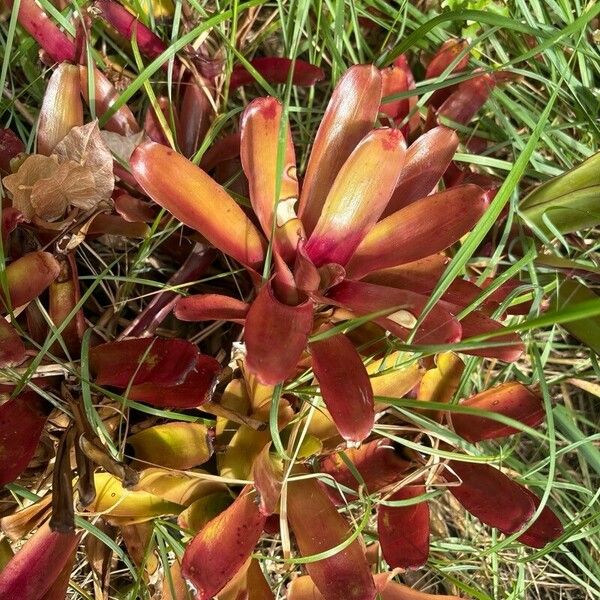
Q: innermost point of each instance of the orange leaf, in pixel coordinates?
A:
(191, 197)
(357, 197)
(349, 116)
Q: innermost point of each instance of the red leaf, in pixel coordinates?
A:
(129, 27)
(508, 347)
(463, 104)
(441, 60)
(36, 22)
(509, 399)
(58, 590)
(218, 552)
(394, 81)
(105, 95)
(269, 322)
(10, 146)
(11, 217)
(345, 386)
(22, 420)
(211, 307)
(422, 276)
(192, 196)
(423, 228)
(491, 496)
(318, 527)
(153, 126)
(390, 590)
(267, 476)
(222, 150)
(444, 57)
(116, 225)
(404, 530)
(193, 267)
(378, 463)
(505, 290)
(194, 391)
(545, 529)
(142, 360)
(358, 196)
(427, 159)
(195, 116)
(32, 572)
(272, 204)
(364, 298)
(133, 209)
(276, 70)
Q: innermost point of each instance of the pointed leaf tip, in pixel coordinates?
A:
(491, 496)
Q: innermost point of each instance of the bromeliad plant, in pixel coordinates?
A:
(344, 255)
(340, 252)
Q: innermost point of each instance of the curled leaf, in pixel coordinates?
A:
(269, 320)
(267, 477)
(46, 554)
(134, 505)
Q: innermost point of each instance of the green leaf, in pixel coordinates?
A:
(569, 293)
(569, 202)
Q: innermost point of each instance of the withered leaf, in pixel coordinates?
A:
(85, 146)
(20, 184)
(70, 184)
(122, 146)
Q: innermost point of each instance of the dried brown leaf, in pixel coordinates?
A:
(20, 184)
(85, 146)
(70, 184)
